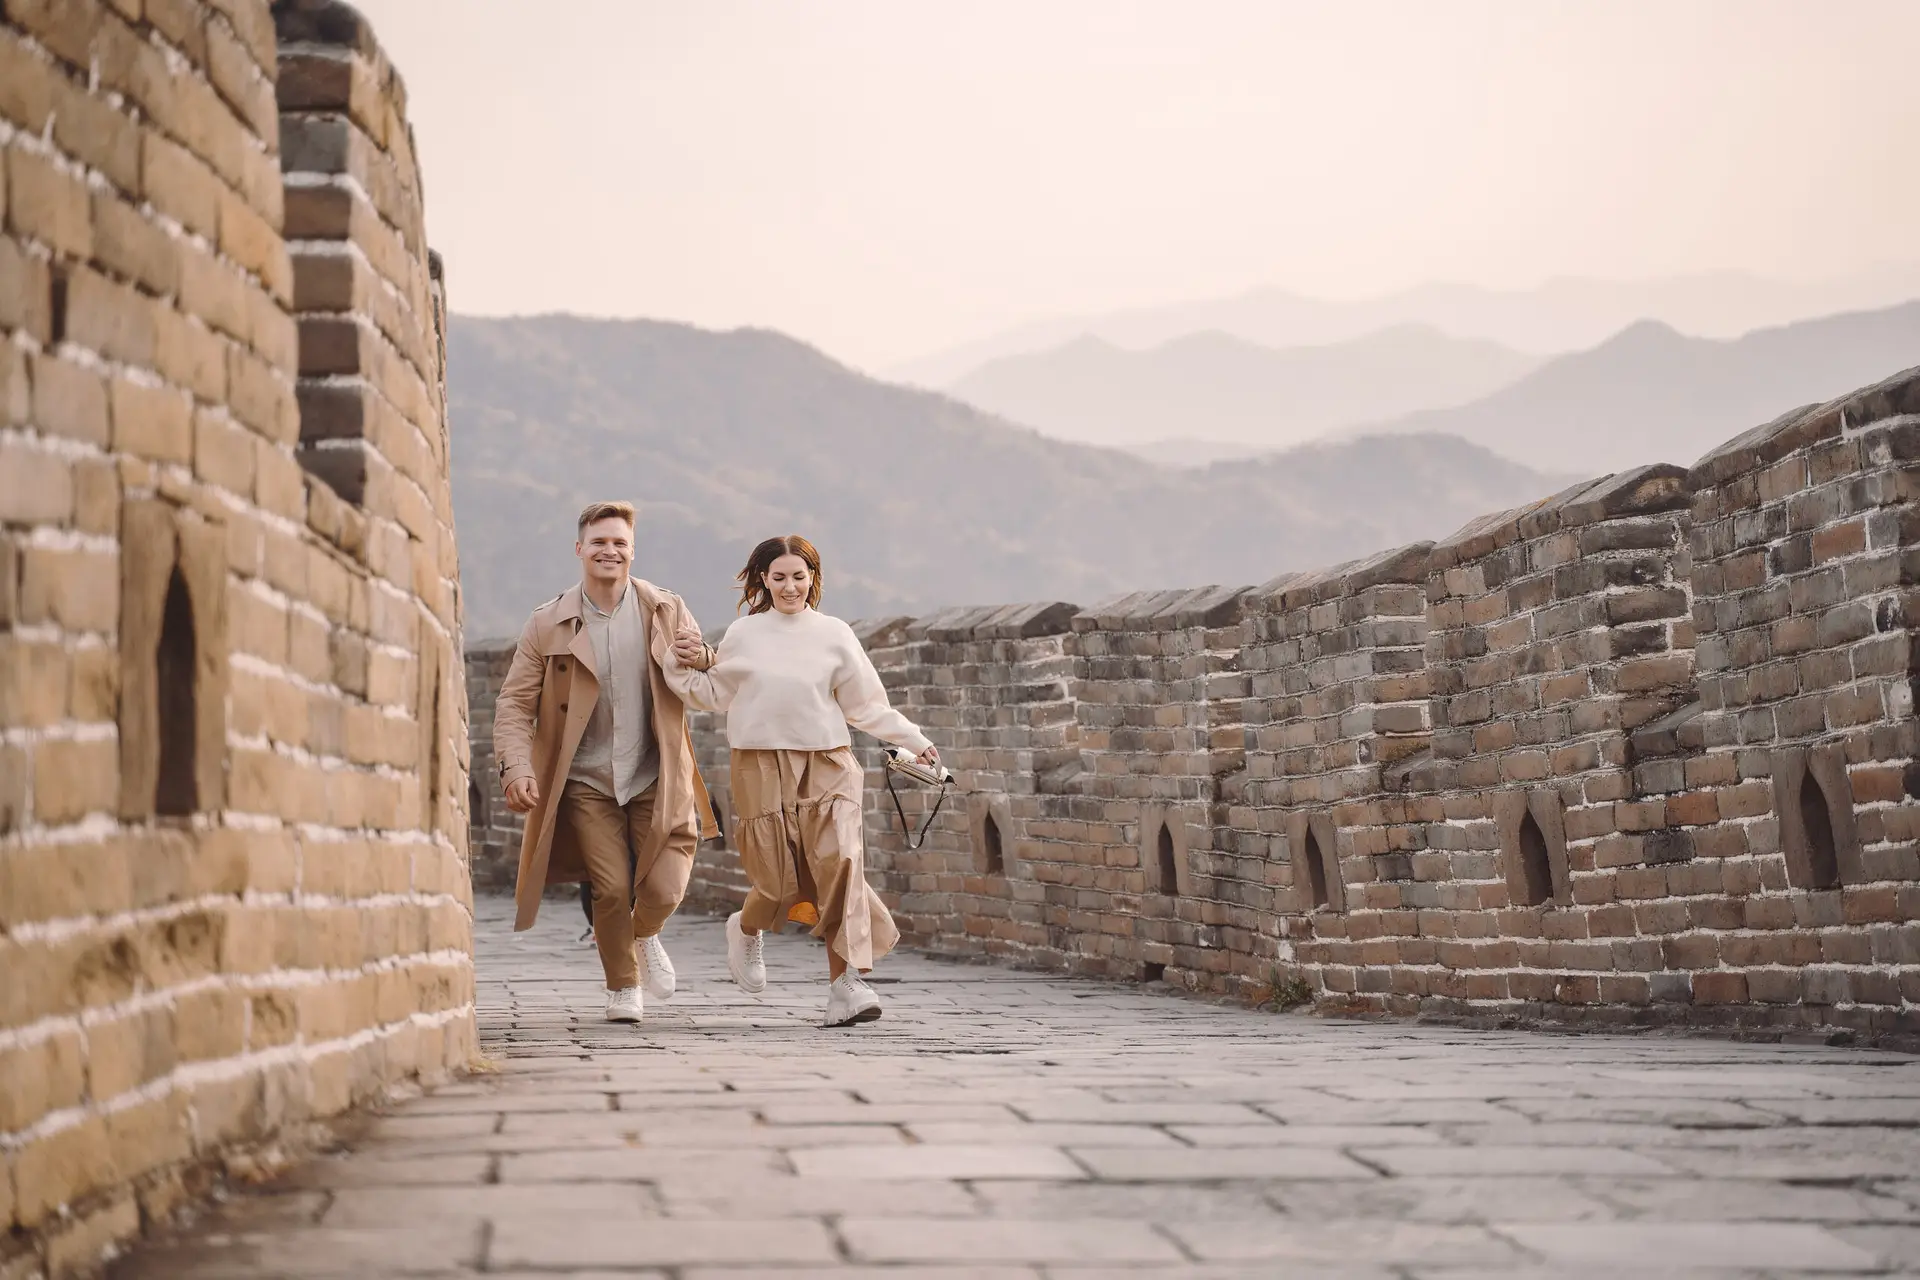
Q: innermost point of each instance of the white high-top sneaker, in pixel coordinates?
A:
(656, 971)
(851, 1000)
(623, 1005)
(746, 957)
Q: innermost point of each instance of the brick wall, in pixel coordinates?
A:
(1643, 752)
(1802, 767)
(233, 887)
(1340, 708)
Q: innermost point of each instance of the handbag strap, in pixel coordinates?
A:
(906, 828)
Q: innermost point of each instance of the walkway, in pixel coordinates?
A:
(1001, 1126)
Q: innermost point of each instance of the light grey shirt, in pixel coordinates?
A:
(617, 755)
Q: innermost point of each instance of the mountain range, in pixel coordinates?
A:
(916, 500)
(1561, 315)
(1650, 394)
(1225, 390)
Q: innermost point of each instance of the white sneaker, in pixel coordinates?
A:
(656, 971)
(623, 1005)
(851, 1000)
(746, 957)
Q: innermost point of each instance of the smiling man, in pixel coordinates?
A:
(594, 749)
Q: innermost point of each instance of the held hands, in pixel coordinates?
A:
(522, 795)
(689, 650)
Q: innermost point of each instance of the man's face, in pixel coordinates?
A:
(605, 550)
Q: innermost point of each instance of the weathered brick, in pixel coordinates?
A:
(28, 84)
(251, 241)
(47, 205)
(26, 292)
(129, 244)
(183, 23)
(97, 134)
(65, 27)
(190, 355)
(72, 779)
(34, 689)
(223, 452)
(179, 183)
(69, 400)
(152, 422)
(126, 1052)
(76, 589)
(112, 318)
(96, 495)
(58, 1168)
(209, 1024)
(38, 1076)
(215, 291)
(150, 1135)
(77, 1243)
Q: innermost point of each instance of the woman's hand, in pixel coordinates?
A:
(689, 650)
(931, 756)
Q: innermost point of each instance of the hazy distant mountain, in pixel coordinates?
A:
(1222, 389)
(1649, 394)
(1183, 451)
(916, 500)
(1560, 315)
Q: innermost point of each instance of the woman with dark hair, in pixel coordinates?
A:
(791, 680)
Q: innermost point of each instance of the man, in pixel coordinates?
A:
(594, 749)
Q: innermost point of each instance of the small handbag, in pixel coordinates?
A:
(903, 762)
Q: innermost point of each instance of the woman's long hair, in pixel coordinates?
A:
(754, 596)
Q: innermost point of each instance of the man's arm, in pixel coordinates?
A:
(513, 719)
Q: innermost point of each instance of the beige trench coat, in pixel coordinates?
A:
(545, 702)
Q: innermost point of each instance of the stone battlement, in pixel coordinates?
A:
(1642, 752)
(234, 895)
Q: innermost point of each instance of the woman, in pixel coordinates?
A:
(791, 680)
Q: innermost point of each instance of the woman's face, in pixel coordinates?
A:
(788, 582)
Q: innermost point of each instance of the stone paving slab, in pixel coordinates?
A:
(997, 1125)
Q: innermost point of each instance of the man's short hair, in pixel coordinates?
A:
(604, 511)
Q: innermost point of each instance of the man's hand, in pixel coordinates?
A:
(689, 650)
(522, 795)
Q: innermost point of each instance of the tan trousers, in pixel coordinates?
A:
(797, 827)
(629, 901)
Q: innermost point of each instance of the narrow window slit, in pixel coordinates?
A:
(57, 300)
(1536, 868)
(1823, 858)
(430, 781)
(176, 791)
(1315, 867)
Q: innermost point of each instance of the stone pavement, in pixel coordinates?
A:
(1005, 1126)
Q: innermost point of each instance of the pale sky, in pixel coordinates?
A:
(884, 178)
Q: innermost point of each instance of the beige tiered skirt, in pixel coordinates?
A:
(797, 827)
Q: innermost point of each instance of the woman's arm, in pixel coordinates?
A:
(863, 700)
(697, 688)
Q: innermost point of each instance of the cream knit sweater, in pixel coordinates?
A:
(794, 682)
